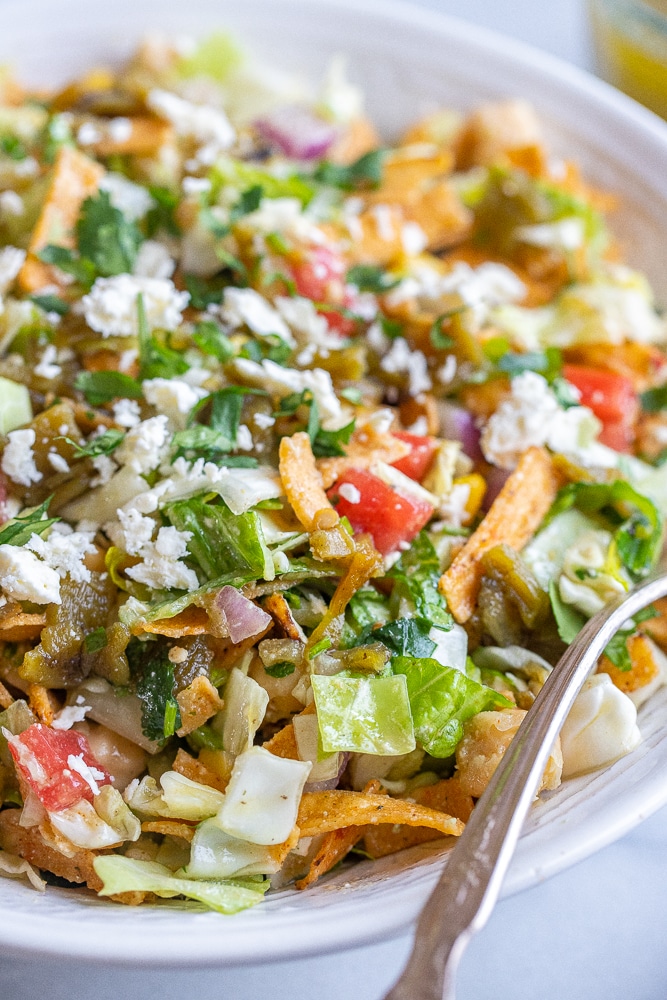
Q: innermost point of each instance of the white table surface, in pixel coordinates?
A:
(595, 932)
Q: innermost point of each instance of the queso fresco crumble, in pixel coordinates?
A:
(317, 448)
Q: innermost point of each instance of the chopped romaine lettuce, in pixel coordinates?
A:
(178, 798)
(364, 714)
(441, 700)
(222, 542)
(215, 854)
(416, 576)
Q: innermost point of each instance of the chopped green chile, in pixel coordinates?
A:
(58, 661)
(503, 564)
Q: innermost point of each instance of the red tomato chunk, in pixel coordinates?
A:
(418, 462)
(388, 516)
(44, 758)
(320, 276)
(612, 399)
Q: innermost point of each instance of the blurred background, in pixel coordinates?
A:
(595, 932)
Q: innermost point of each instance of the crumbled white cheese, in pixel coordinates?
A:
(565, 234)
(177, 654)
(11, 204)
(533, 416)
(133, 200)
(105, 467)
(88, 134)
(173, 397)
(91, 775)
(120, 129)
(11, 262)
(64, 551)
(265, 420)
(246, 306)
(132, 531)
(283, 381)
(413, 238)
(208, 126)
(110, 307)
(153, 261)
(244, 439)
(47, 367)
(18, 460)
(161, 567)
(57, 462)
(145, 445)
(126, 412)
(195, 185)
(26, 578)
(309, 326)
(384, 221)
(402, 359)
(283, 215)
(350, 493)
(403, 484)
(67, 716)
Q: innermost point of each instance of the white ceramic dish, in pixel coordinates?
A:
(407, 60)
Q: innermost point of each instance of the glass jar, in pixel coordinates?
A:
(630, 40)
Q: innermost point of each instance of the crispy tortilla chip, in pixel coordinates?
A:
(657, 627)
(333, 849)
(198, 702)
(446, 796)
(366, 446)
(5, 698)
(423, 406)
(303, 482)
(515, 515)
(170, 828)
(75, 178)
(41, 702)
(322, 812)
(645, 668)
(192, 621)
(196, 770)
(359, 137)
(144, 137)
(280, 611)
(17, 626)
(28, 844)
(283, 744)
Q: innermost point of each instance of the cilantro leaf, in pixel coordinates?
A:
(204, 292)
(369, 278)
(20, 529)
(548, 363)
(51, 303)
(654, 400)
(366, 172)
(416, 576)
(95, 640)
(156, 360)
(211, 340)
(161, 215)
(160, 714)
(66, 260)
(103, 444)
(106, 237)
(13, 147)
(102, 387)
(325, 444)
(404, 637)
(329, 444)
(221, 542)
(282, 669)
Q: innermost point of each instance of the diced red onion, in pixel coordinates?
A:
(458, 424)
(297, 132)
(495, 480)
(329, 783)
(243, 617)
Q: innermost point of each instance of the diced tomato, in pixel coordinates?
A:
(320, 275)
(417, 463)
(612, 399)
(43, 757)
(390, 517)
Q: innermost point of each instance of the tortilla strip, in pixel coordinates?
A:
(280, 611)
(40, 701)
(335, 846)
(197, 703)
(145, 137)
(322, 812)
(366, 446)
(645, 667)
(5, 698)
(75, 178)
(21, 627)
(283, 743)
(515, 515)
(28, 844)
(446, 796)
(170, 828)
(196, 770)
(303, 482)
(192, 621)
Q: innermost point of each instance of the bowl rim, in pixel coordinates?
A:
(310, 932)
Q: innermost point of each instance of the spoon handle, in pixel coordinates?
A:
(466, 893)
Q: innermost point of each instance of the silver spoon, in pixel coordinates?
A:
(466, 893)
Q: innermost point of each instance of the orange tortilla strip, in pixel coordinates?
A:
(513, 519)
(5, 698)
(40, 703)
(303, 482)
(144, 138)
(196, 770)
(322, 812)
(198, 702)
(446, 796)
(20, 627)
(283, 743)
(28, 844)
(170, 828)
(75, 178)
(192, 621)
(645, 667)
(333, 849)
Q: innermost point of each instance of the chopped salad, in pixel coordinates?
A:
(316, 453)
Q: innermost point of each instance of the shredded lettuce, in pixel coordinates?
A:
(416, 576)
(121, 874)
(177, 798)
(215, 854)
(441, 700)
(363, 714)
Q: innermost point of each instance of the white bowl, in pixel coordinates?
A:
(408, 60)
